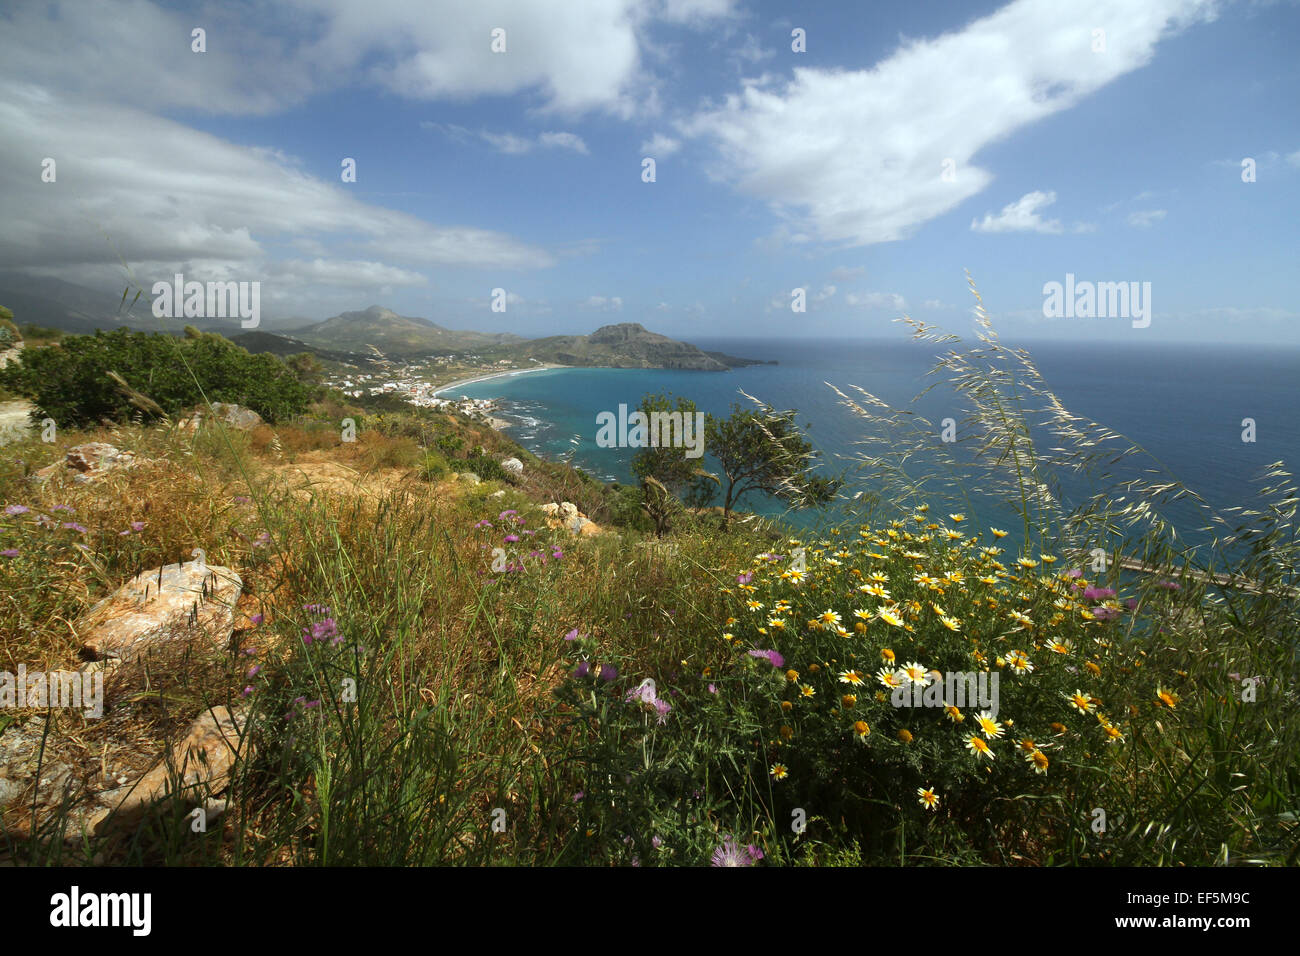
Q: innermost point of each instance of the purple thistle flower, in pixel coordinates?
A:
(745, 578)
(16, 509)
(511, 538)
(1096, 594)
(772, 657)
(733, 854)
(572, 635)
(67, 508)
(558, 554)
(246, 691)
(257, 618)
(662, 707)
(1105, 613)
(608, 672)
(712, 689)
(73, 526)
(1169, 585)
(1074, 573)
(582, 670)
(578, 796)
(9, 553)
(137, 525)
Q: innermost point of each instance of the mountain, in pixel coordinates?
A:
(625, 345)
(396, 335)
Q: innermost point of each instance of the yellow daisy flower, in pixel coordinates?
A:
(978, 747)
(927, 797)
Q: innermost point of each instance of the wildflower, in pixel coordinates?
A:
(861, 730)
(807, 691)
(950, 623)
(1027, 562)
(886, 655)
(1038, 759)
(9, 553)
(978, 747)
(1169, 585)
(1080, 701)
(829, 617)
(1166, 697)
(1092, 668)
(732, 854)
(1096, 594)
(998, 532)
(988, 726)
(957, 518)
(713, 690)
(73, 526)
(1113, 734)
(607, 672)
(953, 714)
(1019, 662)
(572, 635)
(905, 735)
(792, 675)
(779, 771)
(786, 731)
(754, 605)
(850, 677)
(927, 797)
(1060, 647)
(772, 657)
(241, 499)
(137, 525)
(16, 509)
(582, 670)
(890, 616)
(848, 701)
(1058, 728)
(889, 678)
(915, 673)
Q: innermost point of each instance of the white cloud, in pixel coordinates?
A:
(660, 146)
(166, 197)
(856, 156)
(1294, 158)
(563, 141)
(604, 304)
(1021, 216)
(1146, 218)
(264, 55)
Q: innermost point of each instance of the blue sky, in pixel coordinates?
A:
(775, 169)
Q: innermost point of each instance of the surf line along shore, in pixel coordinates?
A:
(475, 379)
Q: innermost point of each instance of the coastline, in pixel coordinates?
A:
(475, 379)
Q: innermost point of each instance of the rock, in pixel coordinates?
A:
(202, 761)
(236, 416)
(468, 477)
(550, 509)
(513, 465)
(89, 462)
(498, 494)
(178, 601)
(568, 510)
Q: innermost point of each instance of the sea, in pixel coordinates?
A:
(1185, 405)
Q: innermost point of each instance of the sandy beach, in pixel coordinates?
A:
(460, 382)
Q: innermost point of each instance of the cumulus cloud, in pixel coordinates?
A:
(572, 57)
(604, 304)
(1021, 216)
(856, 156)
(167, 196)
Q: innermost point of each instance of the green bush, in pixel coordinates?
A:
(432, 466)
(489, 469)
(71, 383)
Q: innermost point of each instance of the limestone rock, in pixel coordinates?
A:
(178, 601)
(468, 477)
(236, 416)
(88, 462)
(513, 465)
(202, 761)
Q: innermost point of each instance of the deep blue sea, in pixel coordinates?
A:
(1183, 403)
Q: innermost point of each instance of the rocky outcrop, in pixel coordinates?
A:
(513, 466)
(88, 463)
(565, 514)
(176, 602)
(235, 416)
(200, 764)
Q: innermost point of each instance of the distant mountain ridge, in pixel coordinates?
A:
(74, 308)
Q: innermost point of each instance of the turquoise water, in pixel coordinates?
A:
(1184, 404)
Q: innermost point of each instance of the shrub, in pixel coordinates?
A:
(71, 382)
